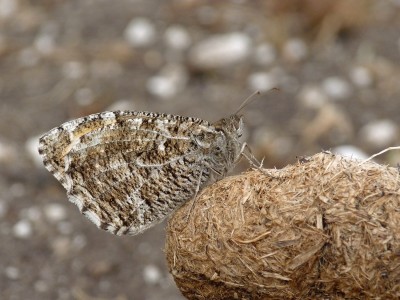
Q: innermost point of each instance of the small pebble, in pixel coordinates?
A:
(22, 229)
(32, 213)
(336, 88)
(55, 212)
(8, 8)
(312, 97)
(177, 37)
(220, 51)
(100, 268)
(361, 76)
(171, 80)
(61, 246)
(140, 32)
(265, 54)
(151, 274)
(295, 50)
(379, 134)
(261, 81)
(73, 70)
(44, 44)
(122, 104)
(41, 286)
(31, 147)
(350, 151)
(12, 272)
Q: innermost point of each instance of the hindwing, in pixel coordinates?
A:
(126, 171)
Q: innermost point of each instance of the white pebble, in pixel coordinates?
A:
(41, 286)
(32, 213)
(177, 37)
(361, 76)
(61, 246)
(44, 44)
(162, 87)
(171, 80)
(350, 151)
(73, 70)
(122, 104)
(31, 147)
(22, 229)
(8, 8)
(220, 51)
(55, 212)
(336, 87)
(312, 97)
(265, 54)
(379, 133)
(12, 272)
(261, 81)
(151, 274)
(295, 49)
(140, 32)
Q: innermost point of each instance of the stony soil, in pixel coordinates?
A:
(336, 66)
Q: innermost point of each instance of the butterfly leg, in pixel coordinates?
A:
(250, 157)
(254, 162)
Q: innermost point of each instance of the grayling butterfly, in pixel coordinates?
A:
(126, 171)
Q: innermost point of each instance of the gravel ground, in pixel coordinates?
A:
(336, 65)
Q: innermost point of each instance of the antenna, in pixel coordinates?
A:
(250, 98)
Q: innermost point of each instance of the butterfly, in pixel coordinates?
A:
(127, 171)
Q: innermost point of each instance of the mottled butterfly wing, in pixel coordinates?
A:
(126, 171)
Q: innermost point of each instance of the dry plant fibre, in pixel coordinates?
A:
(327, 227)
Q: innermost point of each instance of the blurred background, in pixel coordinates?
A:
(335, 62)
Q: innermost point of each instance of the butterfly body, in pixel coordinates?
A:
(127, 171)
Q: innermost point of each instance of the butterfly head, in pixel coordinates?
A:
(228, 146)
(232, 126)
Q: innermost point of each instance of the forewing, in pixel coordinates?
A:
(126, 171)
